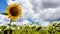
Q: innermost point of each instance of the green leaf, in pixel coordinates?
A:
(4, 13)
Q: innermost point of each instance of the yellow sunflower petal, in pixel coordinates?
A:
(14, 11)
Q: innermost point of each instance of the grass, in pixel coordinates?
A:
(26, 29)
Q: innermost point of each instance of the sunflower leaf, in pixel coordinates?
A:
(4, 13)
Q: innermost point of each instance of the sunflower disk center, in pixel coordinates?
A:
(14, 11)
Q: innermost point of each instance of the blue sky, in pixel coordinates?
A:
(3, 5)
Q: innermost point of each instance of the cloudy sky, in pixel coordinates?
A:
(35, 10)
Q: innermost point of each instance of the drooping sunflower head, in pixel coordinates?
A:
(14, 11)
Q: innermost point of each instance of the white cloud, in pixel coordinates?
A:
(3, 20)
(11, 2)
(25, 22)
(50, 3)
(45, 23)
(51, 14)
(37, 5)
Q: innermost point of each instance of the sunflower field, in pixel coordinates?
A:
(31, 29)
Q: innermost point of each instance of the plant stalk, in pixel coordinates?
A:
(10, 25)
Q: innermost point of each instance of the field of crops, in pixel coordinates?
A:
(31, 29)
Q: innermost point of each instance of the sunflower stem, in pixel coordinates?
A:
(10, 25)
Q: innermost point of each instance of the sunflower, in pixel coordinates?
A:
(14, 11)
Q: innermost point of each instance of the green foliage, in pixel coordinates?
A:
(26, 29)
(4, 13)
